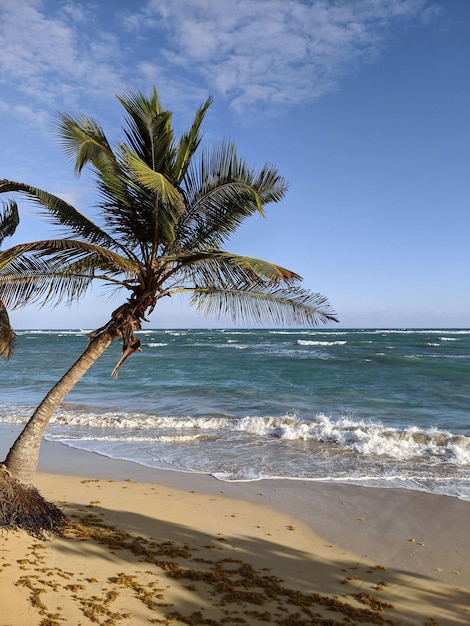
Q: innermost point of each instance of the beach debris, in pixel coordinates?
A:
(372, 602)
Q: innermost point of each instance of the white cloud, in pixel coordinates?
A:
(29, 116)
(276, 51)
(249, 52)
(55, 58)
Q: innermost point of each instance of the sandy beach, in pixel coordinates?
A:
(156, 547)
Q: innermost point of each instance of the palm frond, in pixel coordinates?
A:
(148, 129)
(69, 249)
(210, 267)
(54, 271)
(286, 307)
(269, 184)
(189, 143)
(168, 203)
(155, 181)
(221, 192)
(9, 220)
(62, 213)
(83, 140)
(7, 335)
(44, 288)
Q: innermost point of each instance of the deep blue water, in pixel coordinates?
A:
(374, 407)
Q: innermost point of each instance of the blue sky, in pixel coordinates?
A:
(363, 105)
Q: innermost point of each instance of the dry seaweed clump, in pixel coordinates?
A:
(374, 603)
(23, 508)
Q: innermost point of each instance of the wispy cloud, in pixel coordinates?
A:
(249, 52)
(255, 52)
(55, 58)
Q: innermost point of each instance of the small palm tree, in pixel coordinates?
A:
(165, 216)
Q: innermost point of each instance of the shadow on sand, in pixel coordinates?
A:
(167, 573)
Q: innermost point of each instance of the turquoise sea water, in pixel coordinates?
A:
(372, 407)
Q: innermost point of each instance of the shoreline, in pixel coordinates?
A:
(405, 548)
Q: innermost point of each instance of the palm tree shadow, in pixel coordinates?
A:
(207, 579)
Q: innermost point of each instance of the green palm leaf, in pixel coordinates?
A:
(62, 213)
(189, 143)
(83, 140)
(58, 271)
(225, 268)
(69, 249)
(168, 204)
(148, 130)
(286, 307)
(155, 181)
(44, 288)
(9, 220)
(221, 192)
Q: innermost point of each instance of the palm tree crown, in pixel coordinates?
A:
(166, 215)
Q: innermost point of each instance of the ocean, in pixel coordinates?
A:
(378, 408)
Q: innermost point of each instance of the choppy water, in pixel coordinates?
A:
(373, 407)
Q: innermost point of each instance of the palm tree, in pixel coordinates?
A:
(165, 215)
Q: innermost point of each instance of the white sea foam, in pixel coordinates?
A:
(364, 438)
(149, 439)
(295, 332)
(307, 342)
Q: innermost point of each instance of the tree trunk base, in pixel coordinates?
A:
(23, 508)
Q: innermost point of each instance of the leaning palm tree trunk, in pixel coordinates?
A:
(22, 460)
